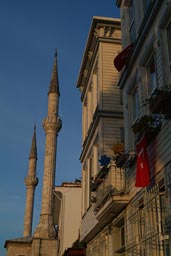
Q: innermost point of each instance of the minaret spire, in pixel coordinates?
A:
(33, 150)
(52, 125)
(54, 83)
(31, 182)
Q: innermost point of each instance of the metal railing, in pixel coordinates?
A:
(113, 184)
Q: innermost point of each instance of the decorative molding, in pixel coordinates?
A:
(85, 72)
(90, 53)
(96, 32)
(108, 31)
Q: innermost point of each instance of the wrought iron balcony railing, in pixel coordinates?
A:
(113, 184)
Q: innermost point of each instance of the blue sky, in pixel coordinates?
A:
(30, 33)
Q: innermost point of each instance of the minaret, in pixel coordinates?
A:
(31, 182)
(52, 125)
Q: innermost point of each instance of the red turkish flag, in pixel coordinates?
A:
(143, 169)
(121, 59)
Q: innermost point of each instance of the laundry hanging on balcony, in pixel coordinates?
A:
(142, 169)
(121, 59)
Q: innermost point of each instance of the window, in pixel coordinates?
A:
(119, 236)
(102, 248)
(133, 107)
(90, 110)
(141, 219)
(95, 160)
(135, 104)
(95, 92)
(84, 119)
(132, 30)
(122, 236)
(146, 4)
(122, 134)
(85, 180)
(154, 209)
(162, 199)
(89, 178)
(168, 32)
(151, 74)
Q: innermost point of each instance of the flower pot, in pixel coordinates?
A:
(120, 160)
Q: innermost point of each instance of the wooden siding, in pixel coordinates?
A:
(100, 131)
(111, 133)
(110, 76)
(153, 35)
(160, 148)
(89, 221)
(159, 153)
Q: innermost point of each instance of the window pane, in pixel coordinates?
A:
(151, 75)
(132, 22)
(135, 105)
(122, 236)
(146, 4)
(169, 43)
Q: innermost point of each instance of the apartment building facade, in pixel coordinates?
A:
(104, 190)
(145, 80)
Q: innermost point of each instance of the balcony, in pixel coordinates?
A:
(160, 101)
(149, 125)
(111, 195)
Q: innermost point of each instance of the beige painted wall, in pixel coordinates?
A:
(69, 211)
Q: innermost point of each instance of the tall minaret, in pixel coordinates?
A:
(31, 182)
(52, 125)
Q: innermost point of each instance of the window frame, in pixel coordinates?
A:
(146, 4)
(135, 111)
(168, 53)
(163, 23)
(151, 76)
(132, 86)
(132, 24)
(149, 53)
(119, 235)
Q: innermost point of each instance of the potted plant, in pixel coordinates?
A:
(160, 101)
(119, 154)
(148, 124)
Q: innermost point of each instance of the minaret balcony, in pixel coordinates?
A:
(31, 181)
(52, 124)
(111, 195)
